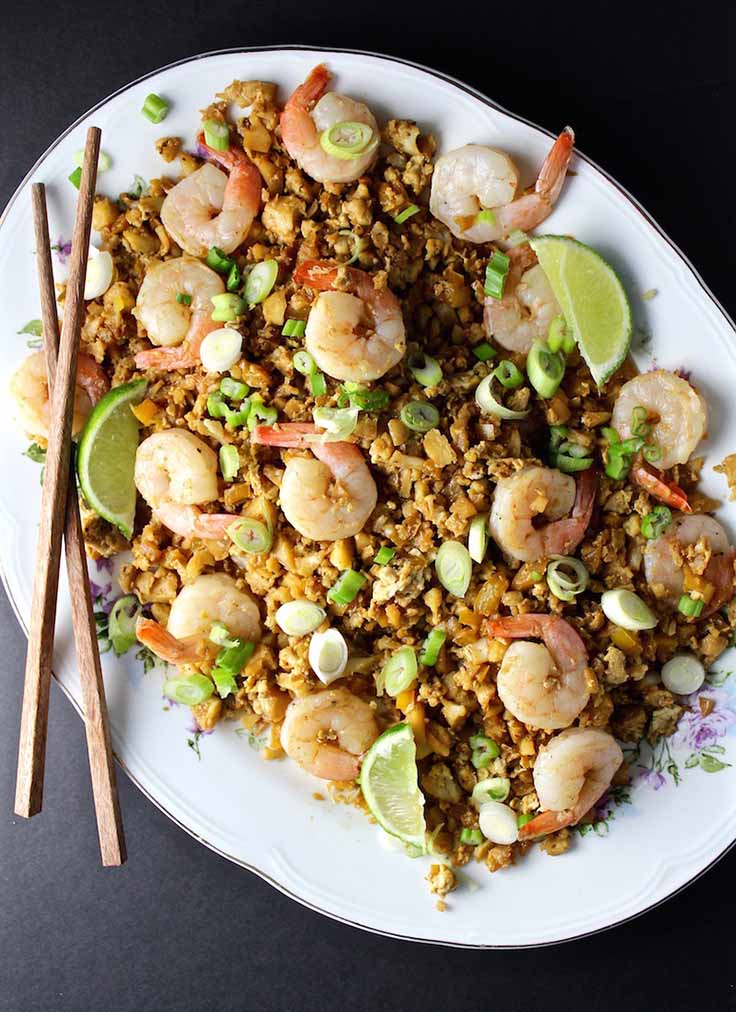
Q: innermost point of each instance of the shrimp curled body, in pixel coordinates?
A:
(543, 686)
(30, 392)
(476, 178)
(356, 334)
(326, 499)
(572, 772)
(536, 492)
(308, 112)
(665, 563)
(326, 733)
(527, 308)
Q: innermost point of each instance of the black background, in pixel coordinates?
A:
(650, 91)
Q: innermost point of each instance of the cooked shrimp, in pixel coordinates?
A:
(167, 321)
(175, 472)
(213, 597)
(326, 499)
(356, 334)
(30, 391)
(677, 414)
(572, 772)
(209, 208)
(308, 113)
(537, 492)
(326, 733)
(476, 178)
(543, 686)
(528, 305)
(669, 574)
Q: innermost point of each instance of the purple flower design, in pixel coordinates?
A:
(62, 249)
(697, 731)
(651, 777)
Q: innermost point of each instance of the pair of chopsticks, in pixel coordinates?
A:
(60, 516)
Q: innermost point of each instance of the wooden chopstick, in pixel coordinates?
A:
(58, 484)
(101, 762)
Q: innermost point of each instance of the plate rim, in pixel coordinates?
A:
(486, 100)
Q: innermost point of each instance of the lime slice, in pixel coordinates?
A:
(388, 779)
(106, 455)
(592, 298)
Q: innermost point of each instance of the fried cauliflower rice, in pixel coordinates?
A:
(522, 673)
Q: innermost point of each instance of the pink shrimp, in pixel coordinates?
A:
(542, 685)
(357, 334)
(326, 499)
(170, 649)
(309, 112)
(30, 391)
(655, 483)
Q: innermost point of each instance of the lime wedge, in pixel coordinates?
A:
(388, 779)
(106, 455)
(592, 299)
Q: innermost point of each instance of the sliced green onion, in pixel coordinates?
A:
(561, 583)
(571, 465)
(568, 344)
(557, 435)
(654, 524)
(260, 281)
(346, 140)
(183, 299)
(228, 307)
(216, 134)
(652, 452)
(304, 363)
(471, 837)
(521, 820)
(611, 435)
(357, 245)
(420, 416)
(556, 333)
(407, 213)
(299, 618)
(338, 423)
(492, 789)
(484, 352)
(234, 658)
(639, 425)
(225, 683)
(399, 671)
(425, 370)
(454, 567)
(233, 278)
(485, 217)
(294, 328)
(346, 587)
(478, 538)
(75, 177)
(508, 374)
(626, 609)
(155, 108)
(217, 408)
(384, 555)
(489, 405)
(221, 348)
(233, 389)
(517, 237)
(190, 691)
(328, 655)
(358, 396)
(689, 606)
(317, 384)
(485, 750)
(229, 462)
(260, 412)
(570, 449)
(619, 461)
(496, 271)
(498, 823)
(250, 535)
(683, 674)
(121, 623)
(103, 162)
(430, 652)
(545, 369)
(218, 260)
(220, 634)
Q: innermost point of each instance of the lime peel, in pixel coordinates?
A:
(593, 301)
(388, 779)
(106, 455)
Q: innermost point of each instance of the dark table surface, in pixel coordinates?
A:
(650, 92)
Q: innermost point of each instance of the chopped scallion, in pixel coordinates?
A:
(384, 555)
(485, 750)
(183, 299)
(228, 307)
(400, 671)
(229, 461)
(545, 369)
(260, 412)
(563, 585)
(654, 524)
(496, 271)
(425, 370)
(508, 374)
(471, 837)
(294, 328)
(219, 261)
(478, 538)
(454, 567)
(260, 281)
(484, 352)
(430, 652)
(216, 134)
(346, 140)
(485, 217)
(75, 178)
(346, 587)
(250, 535)
(407, 213)
(420, 416)
(690, 607)
(317, 384)
(189, 691)
(155, 108)
(303, 362)
(233, 389)
(233, 278)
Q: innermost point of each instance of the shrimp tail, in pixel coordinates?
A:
(288, 434)
(311, 90)
(552, 174)
(655, 483)
(168, 359)
(545, 823)
(563, 536)
(164, 645)
(318, 274)
(92, 378)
